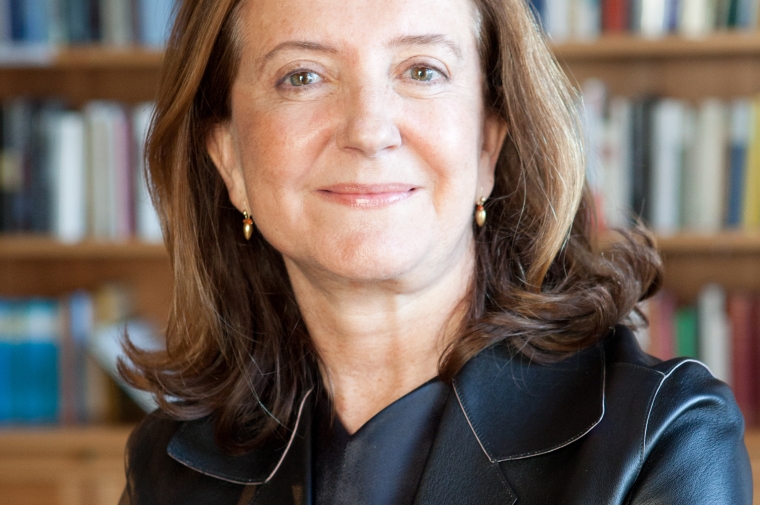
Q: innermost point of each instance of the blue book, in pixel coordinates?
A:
(741, 118)
(77, 21)
(36, 21)
(539, 11)
(17, 8)
(155, 20)
(6, 352)
(36, 395)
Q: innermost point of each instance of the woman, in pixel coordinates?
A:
(385, 288)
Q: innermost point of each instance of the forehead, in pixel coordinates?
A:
(265, 23)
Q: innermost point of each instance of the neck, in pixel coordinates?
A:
(378, 341)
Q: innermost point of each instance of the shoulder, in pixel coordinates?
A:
(685, 427)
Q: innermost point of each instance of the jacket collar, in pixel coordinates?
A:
(194, 446)
(517, 409)
(502, 405)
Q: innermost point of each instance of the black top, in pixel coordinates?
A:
(382, 462)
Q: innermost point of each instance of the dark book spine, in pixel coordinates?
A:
(641, 153)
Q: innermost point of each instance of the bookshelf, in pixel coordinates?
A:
(85, 465)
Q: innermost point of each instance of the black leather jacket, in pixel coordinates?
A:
(610, 425)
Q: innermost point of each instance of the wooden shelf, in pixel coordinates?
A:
(726, 242)
(724, 65)
(43, 248)
(57, 466)
(38, 266)
(636, 47)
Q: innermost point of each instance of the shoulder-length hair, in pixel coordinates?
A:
(236, 346)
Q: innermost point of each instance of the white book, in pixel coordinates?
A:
(714, 332)
(587, 14)
(711, 165)
(116, 22)
(101, 168)
(696, 17)
(594, 97)
(616, 160)
(653, 18)
(148, 226)
(690, 203)
(665, 180)
(69, 181)
(558, 20)
(122, 190)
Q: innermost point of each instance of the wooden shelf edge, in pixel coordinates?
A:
(89, 441)
(636, 47)
(79, 58)
(698, 244)
(44, 248)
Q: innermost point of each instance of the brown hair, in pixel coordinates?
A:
(235, 343)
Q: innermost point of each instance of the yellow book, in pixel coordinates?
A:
(751, 211)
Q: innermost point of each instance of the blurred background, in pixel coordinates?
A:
(671, 103)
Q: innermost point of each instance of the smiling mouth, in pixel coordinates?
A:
(368, 196)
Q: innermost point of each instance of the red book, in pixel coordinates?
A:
(662, 334)
(741, 317)
(615, 16)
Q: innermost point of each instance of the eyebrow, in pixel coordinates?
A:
(427, 40)
(300, 44)
(401, 41)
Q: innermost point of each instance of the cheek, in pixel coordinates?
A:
(447, 137)
(278, 150)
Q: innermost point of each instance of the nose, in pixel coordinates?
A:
(369, 125)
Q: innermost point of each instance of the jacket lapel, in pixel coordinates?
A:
(502, 408)
(277, 473)
(457, 471)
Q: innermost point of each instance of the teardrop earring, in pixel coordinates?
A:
(480, 212)
(247, 226)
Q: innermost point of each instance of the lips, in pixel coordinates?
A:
(368, 195)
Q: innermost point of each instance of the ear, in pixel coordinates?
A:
(494, 133)
(221, 145)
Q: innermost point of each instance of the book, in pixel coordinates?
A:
(147, 222)
(35, 363)
(67, 134)
(687, 334)
(7, 341)
(751, 203)
(707, 214)
(155, 18)
(740, 131)
(667, 151)
(653, 20)
(615, 15)
(714, 332)
(743, 378)
(558, 20)
(616, 163)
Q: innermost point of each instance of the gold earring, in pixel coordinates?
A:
(247, 225)
(480, 212)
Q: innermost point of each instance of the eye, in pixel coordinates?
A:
(424, 74)
(300, 79)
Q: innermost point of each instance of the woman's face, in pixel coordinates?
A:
(358, 139)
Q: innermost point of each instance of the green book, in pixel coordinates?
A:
(686, 332)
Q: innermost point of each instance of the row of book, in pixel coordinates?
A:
(588, 19)
(56, 356)
(41, 23)
(677, 165)
(73, 174)
(721, 329)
